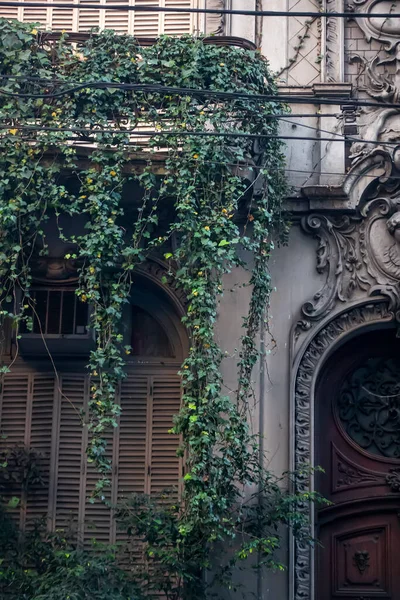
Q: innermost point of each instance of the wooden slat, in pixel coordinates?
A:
(71, 452)
(13, 420)
(139, 24)
(177, 23)
(40, 440)
(164, 464)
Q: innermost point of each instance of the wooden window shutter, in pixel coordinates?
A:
(40, 15)
(39, 437)
(164, 465)
(97, 515)
(70, 453)
(177, 23)
(139, 24)
(87, 19)
(118, 20)
(13, 417)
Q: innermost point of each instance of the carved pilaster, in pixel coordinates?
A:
(334, 43)
(215, 23)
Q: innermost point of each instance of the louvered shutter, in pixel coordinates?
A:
(132, 436)
(118, 20)
(40, 15)
(89, 18)
(39, 438)
(13, 418)
(70, 455)
(164, 464)
(177, 23)
(146, 24)
(97, 515)
(137, 23)
(10, 12)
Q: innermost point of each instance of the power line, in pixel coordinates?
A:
(216, 134)
(150, 88)
(210, 11)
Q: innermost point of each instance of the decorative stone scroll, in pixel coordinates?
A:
(385, 30)
(309, 367)
(360, 256)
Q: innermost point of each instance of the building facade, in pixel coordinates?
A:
(329, 388)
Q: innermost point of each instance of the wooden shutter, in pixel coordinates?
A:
(139, 24)
(89, 18)
(39, 438)
(70, 456)
(44, 412)
(118, 20)
(40, 15)
(97, 515)
(13, 417)
(164, 465)
(177, 23)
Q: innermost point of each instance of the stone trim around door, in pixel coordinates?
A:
(331, 334)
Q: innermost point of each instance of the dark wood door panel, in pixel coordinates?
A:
(357, 558)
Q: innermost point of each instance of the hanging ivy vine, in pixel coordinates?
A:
(224, 196)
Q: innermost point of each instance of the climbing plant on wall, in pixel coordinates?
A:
(223, 191)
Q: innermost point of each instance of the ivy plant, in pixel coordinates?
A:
(222, 186)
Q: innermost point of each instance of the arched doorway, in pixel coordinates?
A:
(357, 443)
(42, 403)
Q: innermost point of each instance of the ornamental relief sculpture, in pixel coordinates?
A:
(359, 256)
(381, 77)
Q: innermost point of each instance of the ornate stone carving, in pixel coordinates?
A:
(385, 30)
(360, 256)
(309, 366)
(334, 42)
(215, 23)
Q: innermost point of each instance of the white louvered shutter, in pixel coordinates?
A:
(165, 466)
(177, 23)
(39, 438)
(137, 23)
(40, 15)
(118, 20)
(89, 18)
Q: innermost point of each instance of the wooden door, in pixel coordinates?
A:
(358, 445)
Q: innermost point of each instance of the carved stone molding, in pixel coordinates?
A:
(334, 43)
(359, 255)
(385, 30)
(309, 367)
(215, 23)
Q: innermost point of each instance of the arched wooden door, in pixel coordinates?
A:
(357, 444)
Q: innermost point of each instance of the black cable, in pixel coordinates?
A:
(209, 11)
(216, 134)
(283, 98)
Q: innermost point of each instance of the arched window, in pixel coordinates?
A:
(41, 409)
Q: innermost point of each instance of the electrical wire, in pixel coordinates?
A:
(216, 134)
(283, 98)
(207, 11)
